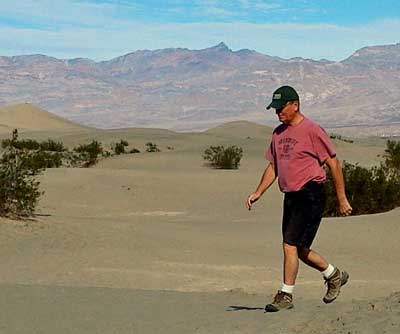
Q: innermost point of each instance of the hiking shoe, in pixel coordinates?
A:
(334, 283)
(282, 301)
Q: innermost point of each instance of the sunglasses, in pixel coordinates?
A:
(279, 110)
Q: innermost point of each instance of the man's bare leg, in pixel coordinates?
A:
(312, 259)
(334, 277)
(290, 264)
(284, 297)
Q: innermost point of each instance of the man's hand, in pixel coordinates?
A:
(252, 199)
(345, 208)
(267, 179)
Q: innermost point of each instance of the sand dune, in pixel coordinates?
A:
(158, 243)
(27, 117)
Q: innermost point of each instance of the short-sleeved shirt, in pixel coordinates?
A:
(298, 153)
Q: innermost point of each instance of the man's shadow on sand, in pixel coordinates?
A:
(234, 308)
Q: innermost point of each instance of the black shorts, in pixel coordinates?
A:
(302, 214)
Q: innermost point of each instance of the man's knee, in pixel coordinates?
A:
(289, 249)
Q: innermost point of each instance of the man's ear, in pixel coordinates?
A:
(296, 103)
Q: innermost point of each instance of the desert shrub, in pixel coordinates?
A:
(52, 146)
(75, 159)
(53, 154)
(43, 159)
(134, 150)
(339, 137)
(31, 144)
(119, 148)
(224, 158)
(88, 154)
(28, 144)
(36, 157)
(151, 147)
(106, 154)
(19, 189)
(369, 190)
(392, 156)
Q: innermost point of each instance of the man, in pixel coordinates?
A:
(297, 154)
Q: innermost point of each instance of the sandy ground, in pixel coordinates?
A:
(158, 243)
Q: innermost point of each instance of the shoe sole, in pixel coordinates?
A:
(271, 308)
(344, 280)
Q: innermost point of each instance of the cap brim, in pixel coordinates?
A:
(276, 104)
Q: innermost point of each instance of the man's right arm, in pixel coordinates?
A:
(267, 179)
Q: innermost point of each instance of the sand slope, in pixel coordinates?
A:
(49, 309)
(27, 117)
(158, 243)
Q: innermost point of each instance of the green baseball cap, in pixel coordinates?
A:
(282, 96)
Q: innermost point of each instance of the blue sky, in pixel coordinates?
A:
(103, 29)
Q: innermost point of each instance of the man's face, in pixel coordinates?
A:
(288, 112)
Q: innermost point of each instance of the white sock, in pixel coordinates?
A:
(328, 271)
(287, 288)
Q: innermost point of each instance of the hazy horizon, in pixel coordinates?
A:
(185, 48)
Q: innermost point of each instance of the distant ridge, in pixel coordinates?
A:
(27, 117)
(185, 90)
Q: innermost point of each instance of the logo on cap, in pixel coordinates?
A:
(277, 96)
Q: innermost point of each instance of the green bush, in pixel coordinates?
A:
(339, 137)
(44, 159)
(134, 150)
(106, 154)
(369, 190)
(392, 156)
(88, 154)
(52, 146)
(28, 144)
(19, 190)
(52, 154)
(119, 148)
(47, 154)
(31, 144)
(224, 158)
(151, 147)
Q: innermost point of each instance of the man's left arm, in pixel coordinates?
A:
(345, 208)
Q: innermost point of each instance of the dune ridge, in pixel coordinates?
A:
(27, 117)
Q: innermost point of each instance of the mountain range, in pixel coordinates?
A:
(184, 89)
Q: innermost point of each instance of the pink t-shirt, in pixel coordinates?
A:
(298, 153)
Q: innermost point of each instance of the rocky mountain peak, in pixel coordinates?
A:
(221, 47)
(380, 56)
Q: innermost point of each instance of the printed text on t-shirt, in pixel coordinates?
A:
(285, 147)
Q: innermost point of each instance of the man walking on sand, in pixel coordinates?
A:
(297, 154)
